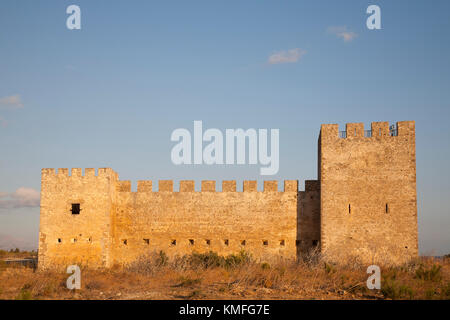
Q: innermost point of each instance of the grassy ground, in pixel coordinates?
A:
(209, 276)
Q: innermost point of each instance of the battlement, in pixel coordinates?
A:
(209, 186)
(78, 172)
(378, 130)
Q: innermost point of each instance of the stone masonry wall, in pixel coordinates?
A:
(368, 193)
(262, 223)
(117, 226)
(65, 238)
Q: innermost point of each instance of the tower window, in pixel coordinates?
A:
(349, 208)
(191, 242)
(387, 208)
(208, 242)
(59, 240)
(147, 241)
(282, 243)
(298, 242)
(315, 242)
(226, 242)
(243, 243)
(173, 242)
(265, 242)
(75, 208)
(125, 242)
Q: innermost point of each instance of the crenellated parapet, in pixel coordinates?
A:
(78, 173)
(206, 186)
(378, 130)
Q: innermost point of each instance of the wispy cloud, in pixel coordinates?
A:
(11, 102)
(289, 56)
(22, 197)
(343, 33)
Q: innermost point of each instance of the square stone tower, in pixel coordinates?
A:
(75, 219)
(368, 196)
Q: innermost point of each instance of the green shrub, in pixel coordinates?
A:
(25, 293)
(390, 289)
(234, 260)
(213, 260)
(432, 274)
(265, 266)
(206, 260)
(329, 269)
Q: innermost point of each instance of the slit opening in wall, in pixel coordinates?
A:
(191, 242)
(75, 208)
(59, 240)
(386, 209)
(349, 208)
(265, 242)
(125, 242)
(315, 243)
(208, 242)
(173, 242)
(298, 242)
(243, 242)
(282, 243)
(226, 242)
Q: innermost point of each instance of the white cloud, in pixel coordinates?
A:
(22, 197)
(289, 56)
(12, 102)
(343, 33)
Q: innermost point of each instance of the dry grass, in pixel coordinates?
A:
(209, 276)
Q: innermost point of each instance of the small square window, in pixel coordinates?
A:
(208, 242)
(191, 242)
(226, 242)
(282, 243)
(147, 241)
(243, 243)
(265, 242)
(125, 242)
(315, 243)
(173, 242)
(75, 208)
(59, 240)
(298, 242)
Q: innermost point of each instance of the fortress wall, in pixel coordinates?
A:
(359, 176)
(147, 221)
(65, 238)
(308, 222)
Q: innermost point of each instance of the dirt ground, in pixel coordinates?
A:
(208, 276)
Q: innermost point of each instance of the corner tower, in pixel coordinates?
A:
(368, 199)
(75, 219)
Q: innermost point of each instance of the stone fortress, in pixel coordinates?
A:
(363, 206)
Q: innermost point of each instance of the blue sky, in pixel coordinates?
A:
(111, 93)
